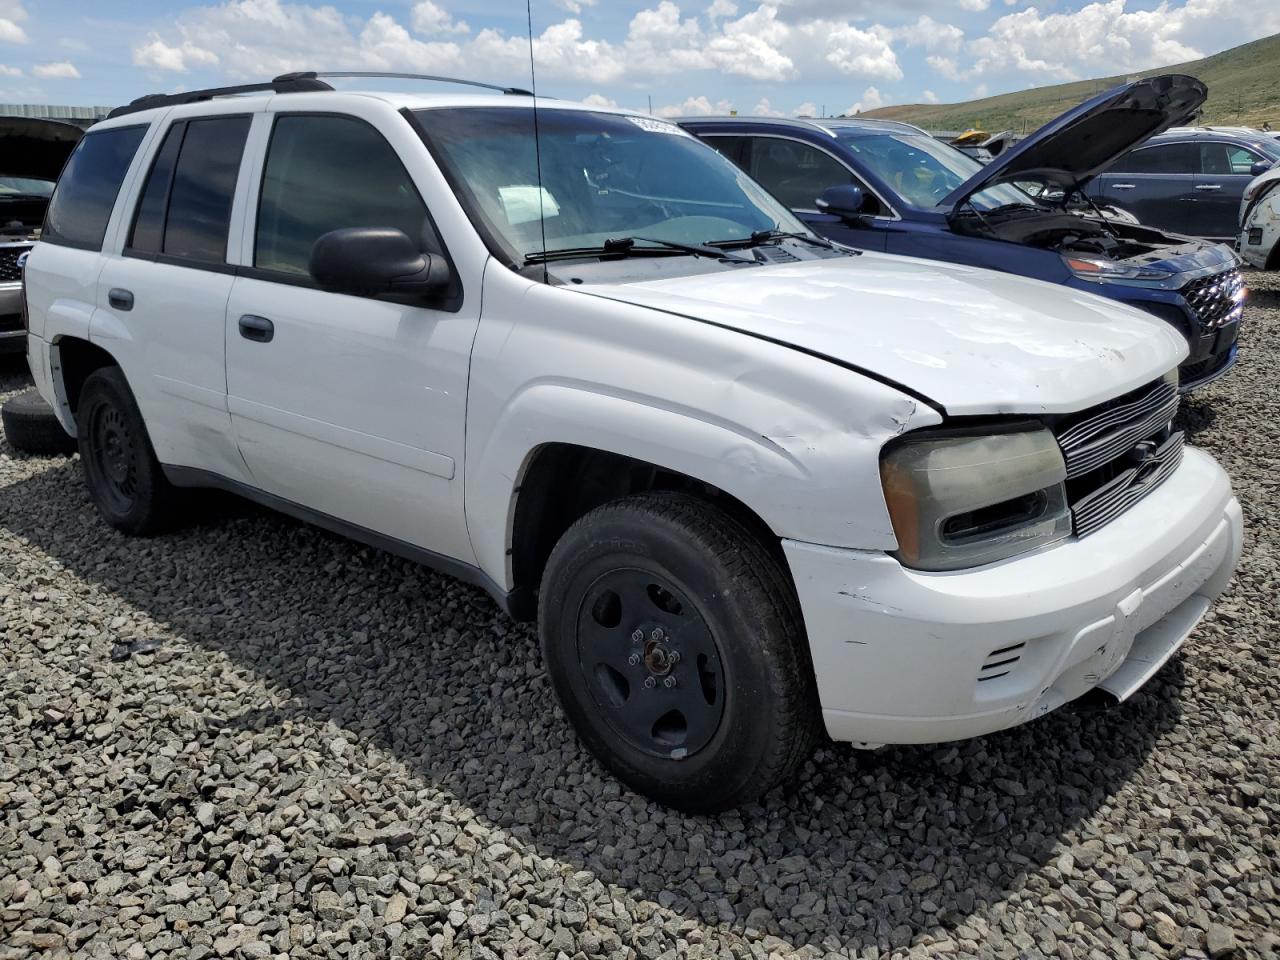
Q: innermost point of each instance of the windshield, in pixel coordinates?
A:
(604, 176)
(25, 186)
(923, 170)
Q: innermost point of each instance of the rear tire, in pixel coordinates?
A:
(31, 426)
(120, 467)
(670, 589)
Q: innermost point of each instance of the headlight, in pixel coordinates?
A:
(1099, 268)
(967, 500)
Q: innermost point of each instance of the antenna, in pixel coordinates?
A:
(537, 145)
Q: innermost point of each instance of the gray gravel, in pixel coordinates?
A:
(302, 747)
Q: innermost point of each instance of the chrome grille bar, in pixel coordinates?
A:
(1094, 442)
(1119, 494)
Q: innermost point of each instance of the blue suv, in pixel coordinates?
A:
(881, 185)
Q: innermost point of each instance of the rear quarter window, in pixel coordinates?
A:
(86, 191)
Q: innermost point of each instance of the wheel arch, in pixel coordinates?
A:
(561, 482)
(71, 360)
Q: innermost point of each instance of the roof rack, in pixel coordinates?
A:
(313, 74)
(307, 81)
(287, 83)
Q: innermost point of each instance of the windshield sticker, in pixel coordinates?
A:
(657, 126)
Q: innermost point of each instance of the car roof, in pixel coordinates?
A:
(826, 125)
(1242, 134)
(350, 99)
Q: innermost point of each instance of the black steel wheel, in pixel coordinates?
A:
(650, 662)
(674, 642)
(120, 468)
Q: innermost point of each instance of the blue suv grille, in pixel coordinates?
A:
(1216, 300)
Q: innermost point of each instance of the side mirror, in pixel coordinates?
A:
(376, 261)
(1259, 168)
(846, 201)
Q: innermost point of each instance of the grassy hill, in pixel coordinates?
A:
(1244, 89)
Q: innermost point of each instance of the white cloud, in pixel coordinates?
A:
(695, 107)
(720, 9)
(598, 100)
(871, 99)
(161, 56)
(62, 70)
(806, 109)
(1108, 37)
(765, 109)
(853, 51)
(946, 66)
(430, 19)
(8, 71)
(975, 5)
(12, 14)
(929, 96)
(575, 6)
(929, 33)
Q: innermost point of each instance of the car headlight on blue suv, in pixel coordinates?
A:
(972, 498)
(1100, 268)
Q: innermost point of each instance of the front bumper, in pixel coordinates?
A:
(903, 656)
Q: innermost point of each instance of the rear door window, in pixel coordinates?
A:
(1163, 158)
(795, 172)
(1225, 159)
(86, 191)
(325, 173)
(185, 209)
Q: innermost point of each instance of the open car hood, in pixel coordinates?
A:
(35, 148)
(1072, 149)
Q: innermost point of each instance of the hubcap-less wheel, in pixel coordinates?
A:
(111, 448)
(650, 662)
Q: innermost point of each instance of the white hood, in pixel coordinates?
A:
(973, 341)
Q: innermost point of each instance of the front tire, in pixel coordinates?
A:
(675, 644)
(120, 468)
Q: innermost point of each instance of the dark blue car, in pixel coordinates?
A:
(888, 186)
(1190, 180)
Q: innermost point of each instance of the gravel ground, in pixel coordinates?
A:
(253, 739)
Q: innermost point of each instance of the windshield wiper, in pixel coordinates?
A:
(627, 247)
(769, 236)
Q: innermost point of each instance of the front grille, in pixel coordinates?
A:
(9, 270)
(1113, 498)
(1217, 300)
(1118, 453)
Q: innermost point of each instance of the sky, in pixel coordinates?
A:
(784, 57)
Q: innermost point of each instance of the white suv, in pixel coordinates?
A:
(751, 484)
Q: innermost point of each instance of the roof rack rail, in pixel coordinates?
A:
(288, 83)
(314, 74)
(306, 81)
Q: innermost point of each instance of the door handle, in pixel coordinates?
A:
(120, 299)
(1122, 186)
(258, 329)
(1208, 186)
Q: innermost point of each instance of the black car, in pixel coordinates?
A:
(1190, 179)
